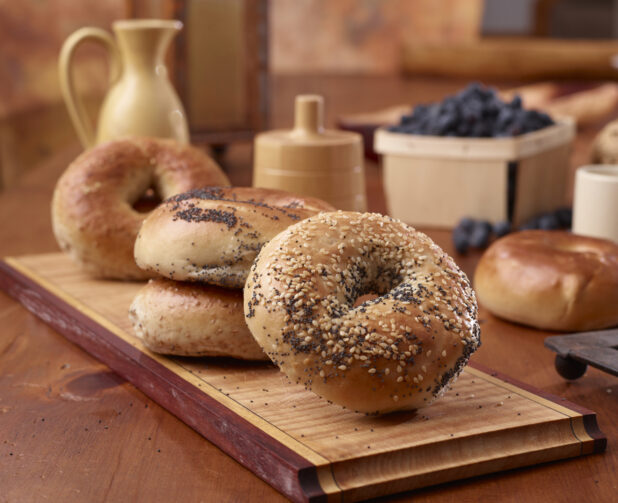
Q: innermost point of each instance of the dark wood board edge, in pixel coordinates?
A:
(267, 458)
(589, 417)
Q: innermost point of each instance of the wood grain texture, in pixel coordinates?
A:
(296, 442)
(104, 440)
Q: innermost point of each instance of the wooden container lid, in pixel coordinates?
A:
(312, 161)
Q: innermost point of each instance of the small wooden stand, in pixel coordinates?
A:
(577, 351)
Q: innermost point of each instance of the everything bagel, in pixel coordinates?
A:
(214, 234)
(396, 351)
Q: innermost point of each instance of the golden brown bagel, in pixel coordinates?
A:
(191, 319)
(92, 214)
(552, 280)
(214, 234)
(397, 351)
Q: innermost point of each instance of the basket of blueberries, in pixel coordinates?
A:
(475, 112)
(477, 155)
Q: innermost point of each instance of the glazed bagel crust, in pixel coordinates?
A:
(214, 234)
(550, 280)
(190, 319)
(397, 351)
(92, 214)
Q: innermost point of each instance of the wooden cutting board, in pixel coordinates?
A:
(307, 449)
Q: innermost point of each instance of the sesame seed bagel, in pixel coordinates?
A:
(214, 234)
(551, 280)
(192, 319)
(397, 351)
(92, 209)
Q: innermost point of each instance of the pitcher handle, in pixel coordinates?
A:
(76, 109)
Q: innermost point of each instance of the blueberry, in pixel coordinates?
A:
(502, 228)
(462, 129)
(479, 237)
(565, 217)
(445, 123)
(467, 224)
(460, 240)
(493, 106)
(505, 116)
(531, 224)
(549, 222)
(515, 102)
(420, 110)
(477, 130)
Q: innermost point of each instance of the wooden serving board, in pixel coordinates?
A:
(307, 449)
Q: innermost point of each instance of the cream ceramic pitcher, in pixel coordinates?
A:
(141, 100)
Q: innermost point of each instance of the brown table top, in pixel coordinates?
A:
(72, 430)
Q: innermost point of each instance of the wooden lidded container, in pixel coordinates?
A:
(435, 181)
(312, 161)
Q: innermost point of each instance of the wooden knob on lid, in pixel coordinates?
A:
(308, 115)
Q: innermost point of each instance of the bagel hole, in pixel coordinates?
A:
(148, 201)
(364, 298)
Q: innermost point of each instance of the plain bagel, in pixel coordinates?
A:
(92, 209)
(191, 319)
(399, 350)
(214, 234)
(550, 280)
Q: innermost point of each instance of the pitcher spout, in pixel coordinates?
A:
(144, 42)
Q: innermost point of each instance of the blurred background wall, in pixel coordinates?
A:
(294, 37)
(321, 36)
(363, 35)
(305, 36)
(31, 34)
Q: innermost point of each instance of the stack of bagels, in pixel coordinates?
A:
(200, 244)
(196, 247)
(360, 308)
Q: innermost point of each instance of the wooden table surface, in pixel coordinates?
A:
(72, 430)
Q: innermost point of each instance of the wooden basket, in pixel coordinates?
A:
(435, 181)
